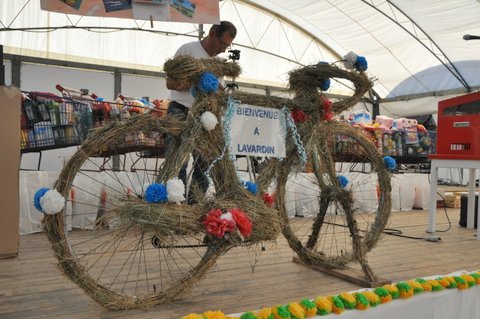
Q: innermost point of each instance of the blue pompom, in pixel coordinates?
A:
(251, 187)
(361, 63)
(325, 84)
(390, 163)
(343, 181)
(36, 198)
(156, 193)
(208, 82)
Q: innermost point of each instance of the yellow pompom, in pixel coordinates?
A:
(372, 297)
(310, 312)
(469, 279)
(435, 285)
(393, 290)
(443, 282)
(296, 310)
(264, 313)
(193, 316)
(214, 315)
(324, 305)
(416, 286)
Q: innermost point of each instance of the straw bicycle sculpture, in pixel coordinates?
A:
(146, 246)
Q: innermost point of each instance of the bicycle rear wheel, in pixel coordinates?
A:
(124, 252)
(334, 224)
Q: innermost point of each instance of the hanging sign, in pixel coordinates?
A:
(258, 131)
(189, 11)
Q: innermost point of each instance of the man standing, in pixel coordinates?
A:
(219, 38)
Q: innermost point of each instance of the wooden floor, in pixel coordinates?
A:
(32, 287)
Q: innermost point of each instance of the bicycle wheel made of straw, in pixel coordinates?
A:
(129, 254)
(344, 201)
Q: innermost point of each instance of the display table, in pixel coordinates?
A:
(449, 162)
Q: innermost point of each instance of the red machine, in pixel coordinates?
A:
(458, 128)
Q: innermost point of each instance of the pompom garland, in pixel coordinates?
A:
(363, 300)
(36, 198)
(52, 202)
(208, 120)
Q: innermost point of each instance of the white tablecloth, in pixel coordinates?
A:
(408, 191)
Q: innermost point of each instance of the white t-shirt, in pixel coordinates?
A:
(196, 50)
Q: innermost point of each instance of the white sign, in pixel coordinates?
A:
(258, 131)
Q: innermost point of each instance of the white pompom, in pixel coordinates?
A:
(227, 216)
(350, 59)
(52, 202)
(175, 190)
(209, 120)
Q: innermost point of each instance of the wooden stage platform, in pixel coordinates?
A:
(244, 279)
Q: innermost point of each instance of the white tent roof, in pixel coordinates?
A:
(414, 48)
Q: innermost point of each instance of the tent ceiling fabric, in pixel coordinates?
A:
(414, 48)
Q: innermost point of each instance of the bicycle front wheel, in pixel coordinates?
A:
(343, 204)
(123, 251)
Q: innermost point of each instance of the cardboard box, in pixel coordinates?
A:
(452, 200)
(10, 105)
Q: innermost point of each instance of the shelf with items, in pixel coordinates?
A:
(403, 139)
(49, 122)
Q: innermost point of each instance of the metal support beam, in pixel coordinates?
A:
(117, 89)
(16, 72)
(2, 67)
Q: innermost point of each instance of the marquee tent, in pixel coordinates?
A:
(415, 48)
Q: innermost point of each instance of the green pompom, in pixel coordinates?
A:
(337, 302)
(402, 285)
(283, 312)
(307, 303)
(248, 315)
(362, 299)
(381, 292)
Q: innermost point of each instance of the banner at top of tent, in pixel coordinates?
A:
(190, 11)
